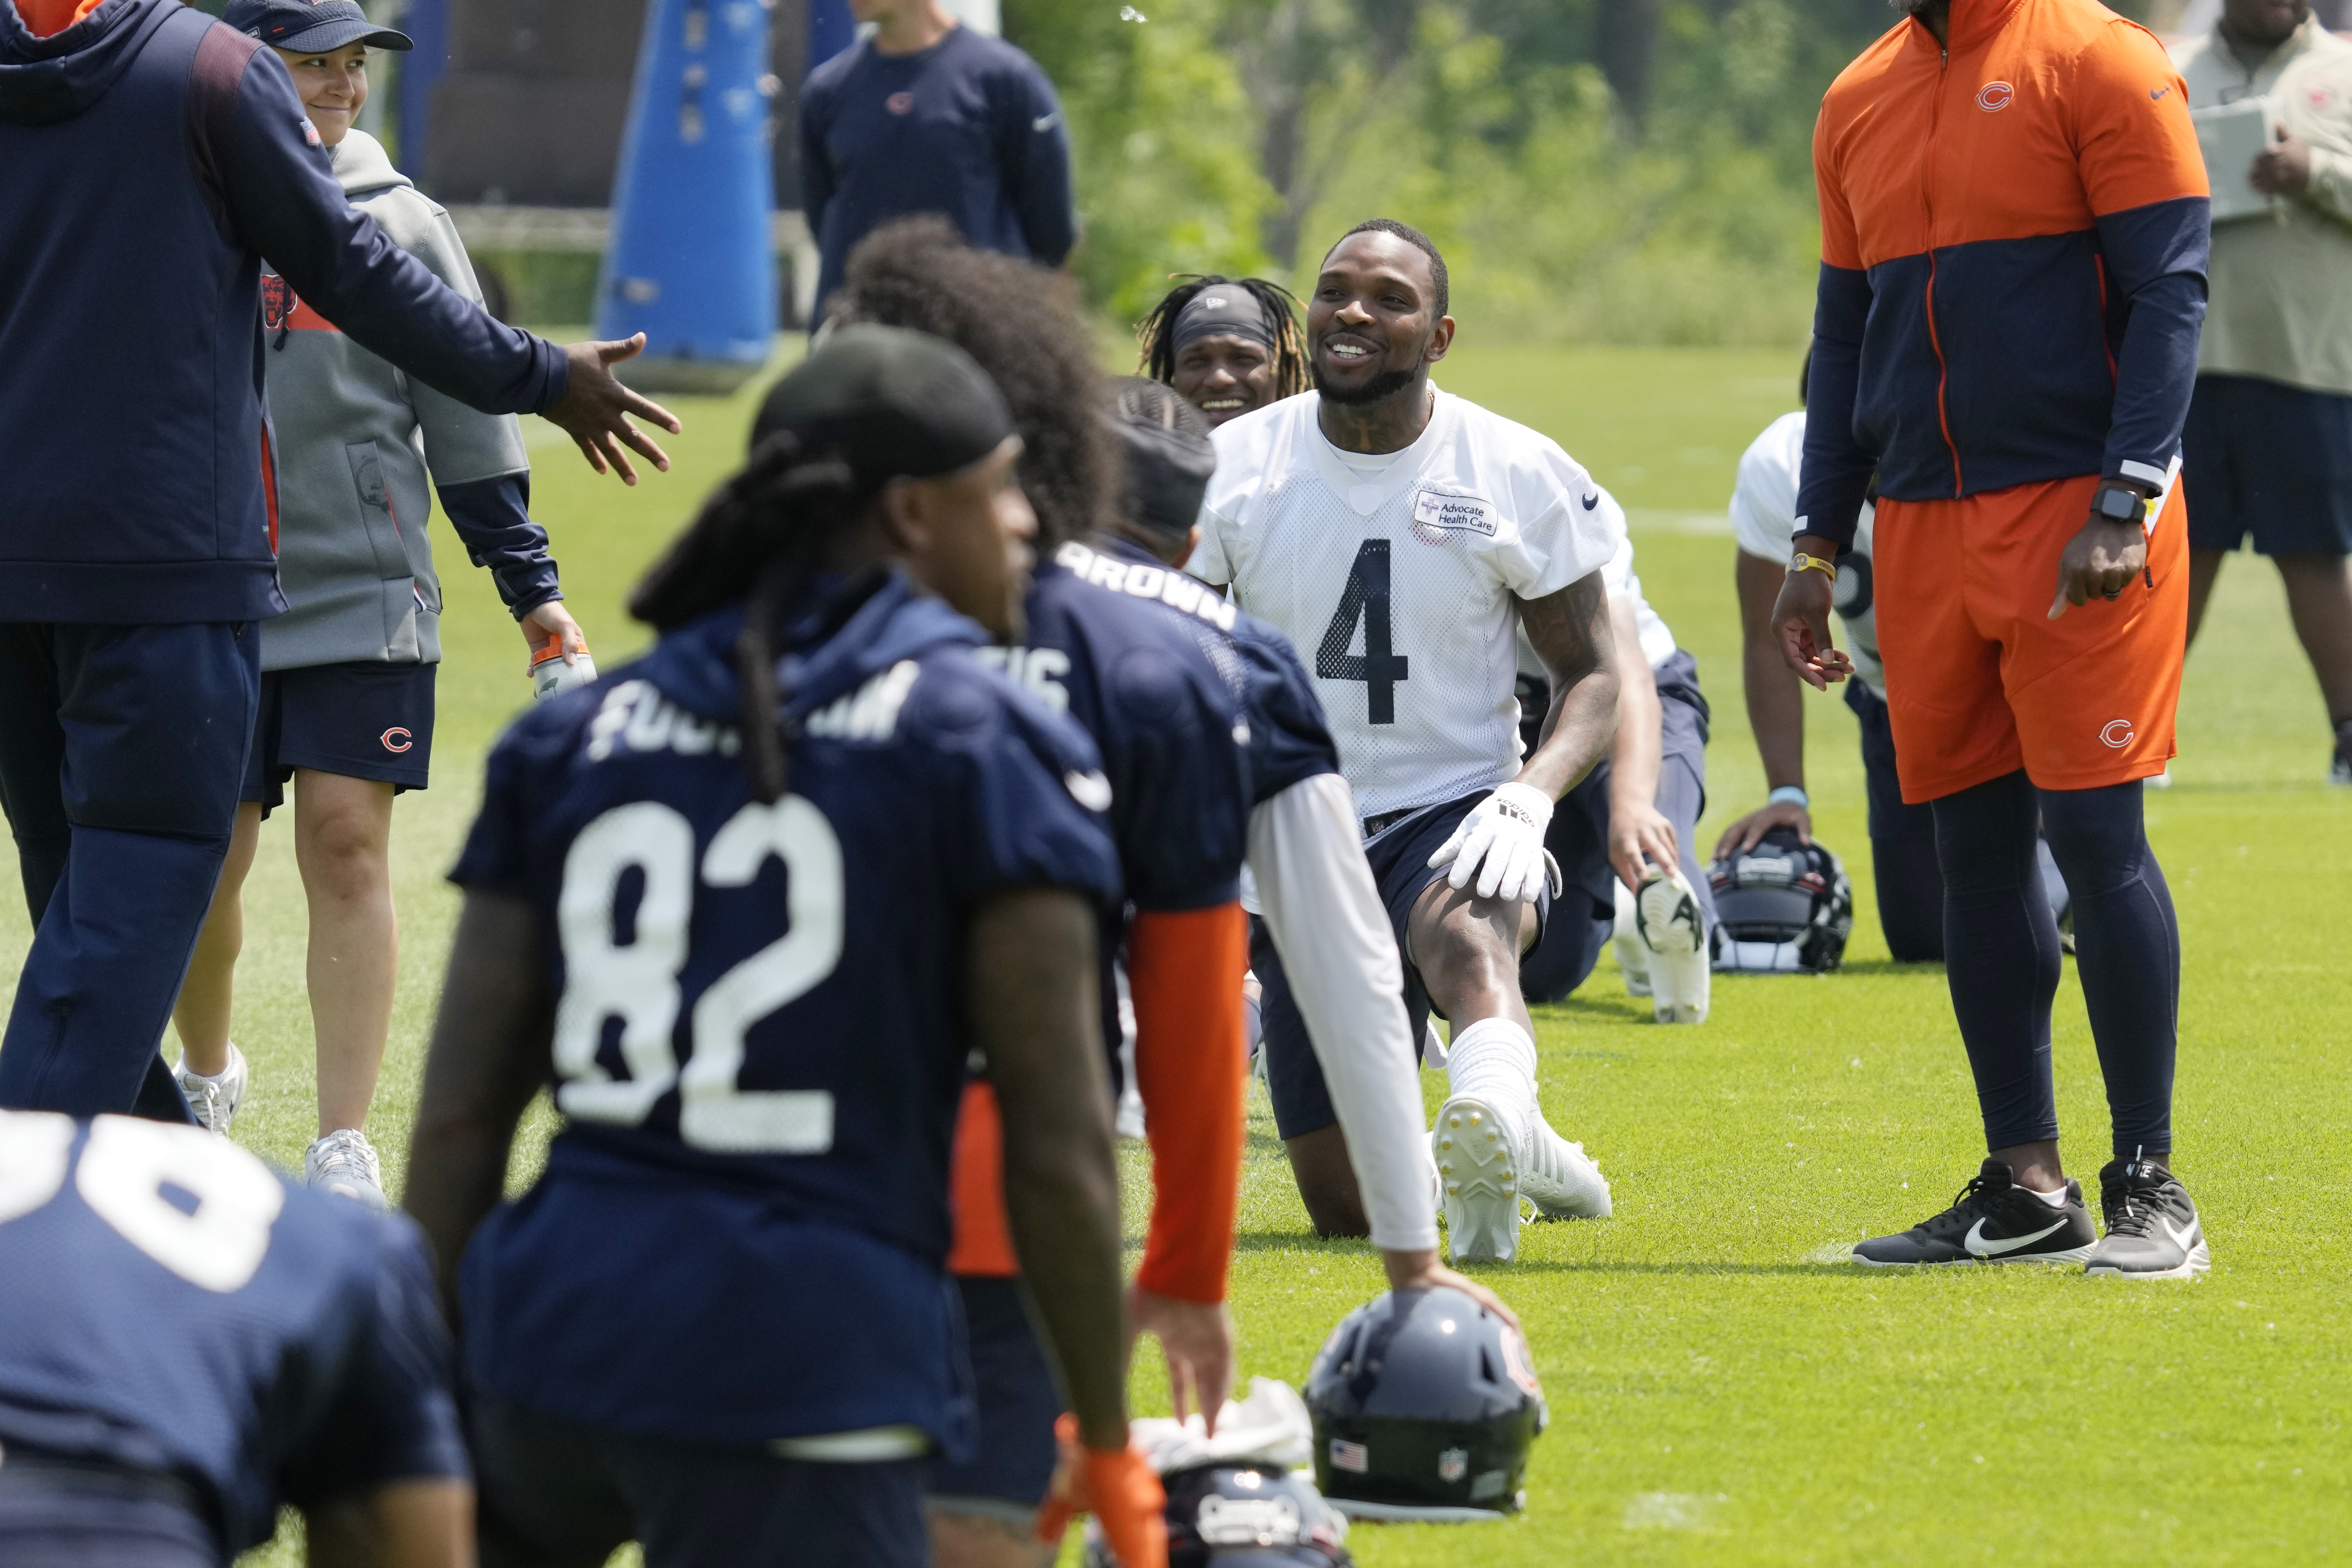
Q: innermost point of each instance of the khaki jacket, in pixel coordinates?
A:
(2282, 286)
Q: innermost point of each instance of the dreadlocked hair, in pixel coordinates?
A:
(1023, 327)
(1157, 331)
(766, 526)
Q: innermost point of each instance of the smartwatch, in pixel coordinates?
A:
(2120, 503)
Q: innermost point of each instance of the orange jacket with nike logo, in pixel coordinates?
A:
(2013, 242)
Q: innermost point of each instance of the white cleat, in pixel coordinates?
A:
(344, 1163)
(1633, 953)
(1477, 1167)
(214, 1100)
(1564, 1180)
(1671, 926)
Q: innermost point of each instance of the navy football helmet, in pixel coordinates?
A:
(1425, 1406)
(1243, 1516)
(1784, 905)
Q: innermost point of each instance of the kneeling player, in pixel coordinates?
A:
(1226, 345)
(1623, 835)
(720, 1323)
(1383, 515)
(187, 1340)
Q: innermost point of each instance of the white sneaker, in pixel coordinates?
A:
(1564, 1180)
(1633, 953)
(1477, 1162)
(1670, 924)
(1127, 1123)
(344, 1162)
(214, 1100)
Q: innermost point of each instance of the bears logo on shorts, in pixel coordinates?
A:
(397, 738)
(278, 301)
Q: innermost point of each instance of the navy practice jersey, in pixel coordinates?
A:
(169, 1303)
(1290, 742)
(761, 1039)
(1128, 665)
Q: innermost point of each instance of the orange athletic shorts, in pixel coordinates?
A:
(1981, 681)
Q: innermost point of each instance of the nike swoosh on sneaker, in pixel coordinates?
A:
(2183, 1240)
(1983, 1246)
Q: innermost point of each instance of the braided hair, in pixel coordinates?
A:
(769, 526)
(1157, 331)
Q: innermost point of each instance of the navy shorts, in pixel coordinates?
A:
(1400, 855)
(561, 1494)
(1012, 1461)
(1579, 839)
(2270, 460)
(362, 720)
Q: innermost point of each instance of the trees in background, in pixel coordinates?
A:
(1599, 170)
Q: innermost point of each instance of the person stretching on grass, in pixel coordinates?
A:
(348, 671)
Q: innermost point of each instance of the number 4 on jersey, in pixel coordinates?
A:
(1379, 667)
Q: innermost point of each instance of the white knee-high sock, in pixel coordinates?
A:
(1495, 1061)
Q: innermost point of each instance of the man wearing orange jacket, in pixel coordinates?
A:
(2014, 229)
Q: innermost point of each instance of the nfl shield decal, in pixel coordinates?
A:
(1452, 1465)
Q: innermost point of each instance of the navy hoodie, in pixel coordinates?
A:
(135, 208)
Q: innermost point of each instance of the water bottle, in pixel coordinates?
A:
(548, 673)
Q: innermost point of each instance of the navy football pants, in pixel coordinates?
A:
(122, 749)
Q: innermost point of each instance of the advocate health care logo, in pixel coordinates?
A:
(1994, 96)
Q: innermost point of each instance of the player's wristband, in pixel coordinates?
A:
(1790, 795)
(1800, 562)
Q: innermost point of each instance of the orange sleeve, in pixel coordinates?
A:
(2132, 138)
(1185, 976)
(984, 1235)
(43, 18)
(1839, 244)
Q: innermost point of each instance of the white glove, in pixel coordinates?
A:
(1501, 842)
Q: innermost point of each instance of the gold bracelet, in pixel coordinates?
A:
(1804, 562)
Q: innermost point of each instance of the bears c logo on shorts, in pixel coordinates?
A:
(2116, 732)
(399, 740)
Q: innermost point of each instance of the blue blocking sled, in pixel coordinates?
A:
(692, 263)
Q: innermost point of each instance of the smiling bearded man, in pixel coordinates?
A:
(1406, 537)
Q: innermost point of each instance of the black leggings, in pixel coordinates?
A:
(2001, 954)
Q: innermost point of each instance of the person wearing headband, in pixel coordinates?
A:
(752, 904)
(1226, 345)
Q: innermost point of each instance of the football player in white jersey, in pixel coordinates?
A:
(1624, 838)
(1909, 882)
(1405, 536)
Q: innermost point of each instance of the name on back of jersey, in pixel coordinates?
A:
(636, 718)
(1165, 583)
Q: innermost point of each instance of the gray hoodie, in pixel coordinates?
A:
(354, 440)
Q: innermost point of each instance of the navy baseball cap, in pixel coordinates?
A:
(309, 27)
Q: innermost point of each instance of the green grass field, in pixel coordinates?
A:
(1722, 1388)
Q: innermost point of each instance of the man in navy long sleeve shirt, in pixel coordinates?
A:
(926, 116)
(153, 158)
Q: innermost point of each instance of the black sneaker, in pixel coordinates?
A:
(1993, 1220)
(2153, 1231)
(2340, 766)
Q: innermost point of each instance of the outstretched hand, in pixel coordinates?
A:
(595, 408)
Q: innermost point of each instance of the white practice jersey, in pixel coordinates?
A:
(1399, 586)
(1764, 520)
(1656, 639)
